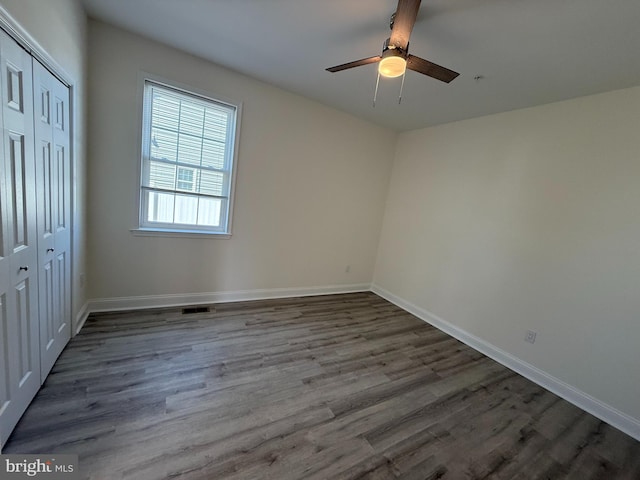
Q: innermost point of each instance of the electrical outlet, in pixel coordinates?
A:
(347, 269)
(530, 336)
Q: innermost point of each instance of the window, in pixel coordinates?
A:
(185, 179)
(188, 144)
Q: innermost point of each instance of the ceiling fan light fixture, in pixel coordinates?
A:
(393, 63)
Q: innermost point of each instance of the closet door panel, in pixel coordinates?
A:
(54, 203)
(18, 264)
(7, 327)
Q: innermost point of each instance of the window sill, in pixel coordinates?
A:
(159, 232)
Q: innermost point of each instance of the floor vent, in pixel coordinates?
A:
(190, 310)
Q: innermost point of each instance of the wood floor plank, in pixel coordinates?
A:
(329, 387)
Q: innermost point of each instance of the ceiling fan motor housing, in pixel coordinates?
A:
(390, 50)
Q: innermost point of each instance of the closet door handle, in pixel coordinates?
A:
(49, 250)
(24, 268)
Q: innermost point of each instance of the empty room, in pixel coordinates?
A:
(296, 239)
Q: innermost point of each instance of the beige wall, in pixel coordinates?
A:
(60, 28)
(311, 184)
(528, 220)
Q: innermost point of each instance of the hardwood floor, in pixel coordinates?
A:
(331, 387)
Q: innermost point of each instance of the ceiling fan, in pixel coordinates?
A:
(395, 58)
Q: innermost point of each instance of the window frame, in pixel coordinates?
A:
(172, 229)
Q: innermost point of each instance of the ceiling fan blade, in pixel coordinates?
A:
(426, 67)
(406, 15)
(357, 63)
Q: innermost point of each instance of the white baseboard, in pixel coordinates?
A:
(81, 317)
(176, 300)
(597, 408)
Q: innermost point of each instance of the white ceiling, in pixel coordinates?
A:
(528, 52)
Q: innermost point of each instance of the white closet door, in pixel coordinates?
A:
(20, 372)
(51, 99)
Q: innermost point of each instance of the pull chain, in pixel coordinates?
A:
(401, 87)
(375, 95)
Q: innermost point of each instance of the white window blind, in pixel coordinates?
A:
(187, 161)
